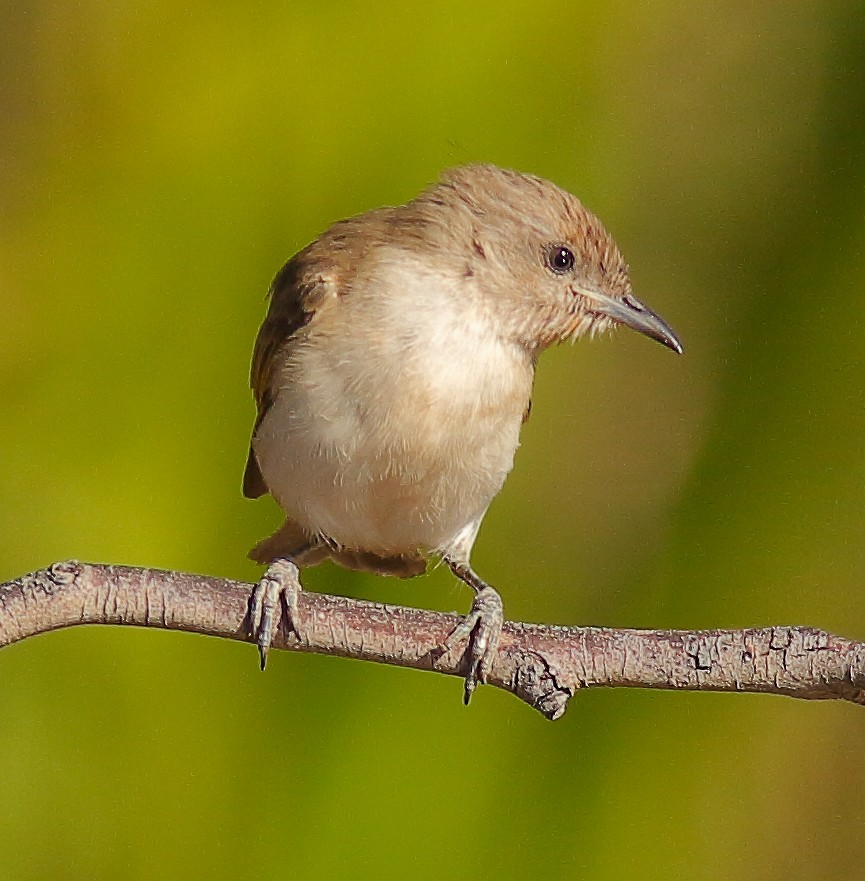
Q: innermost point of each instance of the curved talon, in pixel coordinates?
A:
(280, 583)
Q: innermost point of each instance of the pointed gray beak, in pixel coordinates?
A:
(634, 314)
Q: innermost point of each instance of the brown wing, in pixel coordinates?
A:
(320, 271)
(299, 287)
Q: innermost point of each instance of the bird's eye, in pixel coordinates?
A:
(560, 259)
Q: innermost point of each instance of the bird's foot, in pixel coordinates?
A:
(279, 585)
(482, 627)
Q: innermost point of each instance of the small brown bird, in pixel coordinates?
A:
(394, 370)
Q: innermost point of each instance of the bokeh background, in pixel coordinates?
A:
(158, 163)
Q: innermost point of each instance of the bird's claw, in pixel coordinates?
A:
(279, 584)
(482, 627)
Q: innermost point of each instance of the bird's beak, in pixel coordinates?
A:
(632, 313)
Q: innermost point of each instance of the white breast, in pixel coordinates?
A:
(397, 418)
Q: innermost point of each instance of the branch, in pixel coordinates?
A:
(542, 665)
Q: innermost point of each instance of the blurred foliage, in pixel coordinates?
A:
(158, 163)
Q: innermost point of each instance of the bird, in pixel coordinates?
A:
(394, 370)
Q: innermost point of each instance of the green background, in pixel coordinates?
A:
(159, 162)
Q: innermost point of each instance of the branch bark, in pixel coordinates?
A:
(543, 665)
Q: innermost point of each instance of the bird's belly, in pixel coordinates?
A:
(381, 506)
(392, 443)
(415, 493)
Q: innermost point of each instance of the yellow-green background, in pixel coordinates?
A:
(159, 161)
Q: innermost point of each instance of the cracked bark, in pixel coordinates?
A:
(543, 665)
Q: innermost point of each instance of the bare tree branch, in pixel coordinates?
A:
(542, 665)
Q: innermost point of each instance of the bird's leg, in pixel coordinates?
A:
(482, 627)
(279, 585)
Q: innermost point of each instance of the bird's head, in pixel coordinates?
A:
(541, 260)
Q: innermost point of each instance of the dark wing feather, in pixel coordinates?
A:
(299, 287)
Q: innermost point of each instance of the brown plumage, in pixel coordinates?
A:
(394, 369)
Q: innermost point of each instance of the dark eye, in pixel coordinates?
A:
(560, 259)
